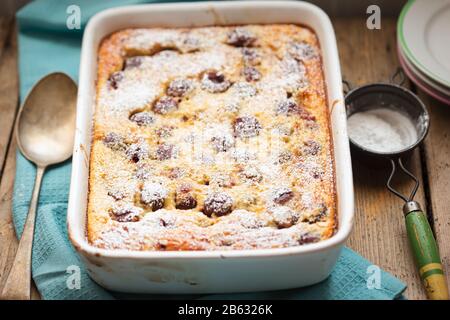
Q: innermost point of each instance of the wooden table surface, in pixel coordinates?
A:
(379, 231)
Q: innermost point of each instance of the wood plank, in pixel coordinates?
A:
(5, 25)
(9, 84)
(437, 150)
(379, 232)
(8, 106)
(8, 241)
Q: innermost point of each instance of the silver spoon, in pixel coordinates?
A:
(44, 130)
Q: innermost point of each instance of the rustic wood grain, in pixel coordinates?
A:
(437, 154)
(8, 89)
(379, 232)
(8, 241)
(5, 25)
(8, 107)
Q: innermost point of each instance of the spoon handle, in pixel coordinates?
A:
(18, 283)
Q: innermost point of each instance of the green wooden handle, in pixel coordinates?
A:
(426, 255)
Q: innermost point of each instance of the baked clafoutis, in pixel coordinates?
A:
(211, 138)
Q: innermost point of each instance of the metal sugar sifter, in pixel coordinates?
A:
(373, 100)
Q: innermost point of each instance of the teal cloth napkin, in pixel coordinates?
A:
(47, 45)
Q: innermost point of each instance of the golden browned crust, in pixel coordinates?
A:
(211, 138)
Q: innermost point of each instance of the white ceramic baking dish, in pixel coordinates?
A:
(214, 271)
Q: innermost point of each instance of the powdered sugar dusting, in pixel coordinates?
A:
(153, 193)
(239, 230)
(129, 95)
(284, 217)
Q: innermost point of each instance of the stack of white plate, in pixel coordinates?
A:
(423, 38)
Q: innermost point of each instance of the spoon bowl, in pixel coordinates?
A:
(46, 122)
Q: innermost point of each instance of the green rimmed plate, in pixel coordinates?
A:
(424, 35)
